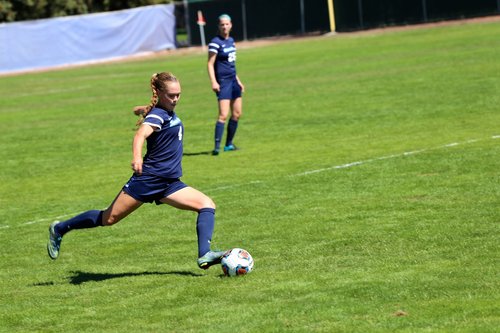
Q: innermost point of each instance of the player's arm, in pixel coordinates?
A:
(211, 71)
(140, 136)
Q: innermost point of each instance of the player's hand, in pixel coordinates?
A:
(137, 166)
(140, 109)
(216, 87)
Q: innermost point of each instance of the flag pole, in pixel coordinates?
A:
(201, 23)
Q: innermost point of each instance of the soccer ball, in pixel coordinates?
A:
(236, 262)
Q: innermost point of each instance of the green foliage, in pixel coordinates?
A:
(6, 12)
(366, 190)
(37, 9)
(65, 8)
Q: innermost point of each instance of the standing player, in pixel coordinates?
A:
(225, 83)
(156, 176)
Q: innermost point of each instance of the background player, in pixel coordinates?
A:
(225, 83)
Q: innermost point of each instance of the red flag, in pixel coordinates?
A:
(201, 19)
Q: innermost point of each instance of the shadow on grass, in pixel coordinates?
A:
(80, 277)
(196, 154)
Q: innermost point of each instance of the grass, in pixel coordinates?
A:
(366, 190)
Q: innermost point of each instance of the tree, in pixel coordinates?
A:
(21, 10)
(7, 14)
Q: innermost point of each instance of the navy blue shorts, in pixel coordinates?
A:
(149, 188)
(229, 89)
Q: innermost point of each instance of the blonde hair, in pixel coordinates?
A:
(159, 82)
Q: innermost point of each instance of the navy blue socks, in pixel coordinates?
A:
(232, 126)
(204, 229)
(93, 218)
(231, 131)
(89, 219)
(219, 131)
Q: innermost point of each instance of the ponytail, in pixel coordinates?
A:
(159, 82)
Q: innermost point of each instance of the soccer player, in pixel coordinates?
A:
(225, 83)
(156, 176)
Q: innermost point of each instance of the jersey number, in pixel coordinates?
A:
(180, 133)
(231, 57)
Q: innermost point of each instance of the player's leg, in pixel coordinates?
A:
(122, 206)
(189, 198)
(236, 106)
(224, 108)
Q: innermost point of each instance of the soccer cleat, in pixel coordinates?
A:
(210, 258)
(54, 242)
(215, 152)
(230, 148)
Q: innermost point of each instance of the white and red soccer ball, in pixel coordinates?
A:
(237, 262)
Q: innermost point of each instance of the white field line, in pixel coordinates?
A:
(407, 153)
(50, 219)
(334, 167)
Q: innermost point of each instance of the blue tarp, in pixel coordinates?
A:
(46, 43)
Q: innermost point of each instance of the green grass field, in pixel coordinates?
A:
(367, 191)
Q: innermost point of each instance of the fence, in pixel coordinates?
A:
(364, 14)
(263, 18)
(259, 18)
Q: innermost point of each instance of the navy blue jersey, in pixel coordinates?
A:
(225, 60)
(164, 154)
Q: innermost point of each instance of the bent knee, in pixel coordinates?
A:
(236, 114)
(109, 220)
(208, 203)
